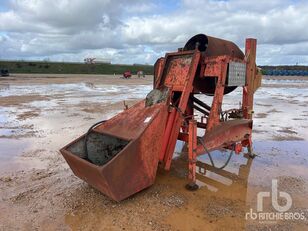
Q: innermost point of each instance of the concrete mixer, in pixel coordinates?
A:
(120, 156)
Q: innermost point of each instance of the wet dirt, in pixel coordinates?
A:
(40, 114)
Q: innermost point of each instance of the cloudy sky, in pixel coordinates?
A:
(136, 31)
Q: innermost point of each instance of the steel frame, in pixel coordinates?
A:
(233, 134)
(152, 127)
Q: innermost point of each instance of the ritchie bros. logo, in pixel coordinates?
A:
(282, 210)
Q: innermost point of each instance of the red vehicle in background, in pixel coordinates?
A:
(127, 74)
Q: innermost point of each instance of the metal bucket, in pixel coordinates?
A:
(122, 153)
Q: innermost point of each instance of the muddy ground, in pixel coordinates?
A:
(39, 114)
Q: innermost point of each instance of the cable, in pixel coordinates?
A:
(211, 159)
(182, 114)
(86, 137)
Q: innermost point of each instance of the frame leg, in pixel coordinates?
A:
(192, 156)
(250, 149)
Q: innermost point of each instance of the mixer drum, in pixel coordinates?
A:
(211, 47)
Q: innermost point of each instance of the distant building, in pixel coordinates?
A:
(140, 64)
(97, 61)
(101, 60)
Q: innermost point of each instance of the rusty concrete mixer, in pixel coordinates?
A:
(120, 156)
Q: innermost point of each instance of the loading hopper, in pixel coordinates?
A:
(121, 155)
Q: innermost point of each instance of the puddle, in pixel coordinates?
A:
(26, 126)
(219, 204)
(73, 89)
(4, 87)
(8, 153)
(224, 197)
(50, 130)
(9, 132)
(17, 147)
(271, 156)
(275, 109)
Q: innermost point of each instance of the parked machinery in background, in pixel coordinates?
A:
(127, 74)
(4, 72)
(140, 74)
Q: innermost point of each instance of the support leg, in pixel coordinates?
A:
(250, 149)
(192, 156)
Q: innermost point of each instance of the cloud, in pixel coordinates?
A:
(139, 31)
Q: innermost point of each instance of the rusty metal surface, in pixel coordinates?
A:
(251, 75)
(257, 81)
(214, 117)
(226, 133)
(175, 69)
(171, 138)
(133, 141)
(130, 123)
(178, 68)
(158, 68)
(192, 154)
(213, 47)
(134, 168)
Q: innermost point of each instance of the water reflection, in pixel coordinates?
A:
(220, 179)
(4, 87)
